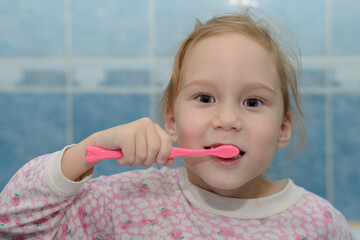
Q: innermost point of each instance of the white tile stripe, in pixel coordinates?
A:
(152, 58)
(329, 150)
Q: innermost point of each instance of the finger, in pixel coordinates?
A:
(127, 147)
(140, 148)
(128, 151)
(153, 145)
(165, 146)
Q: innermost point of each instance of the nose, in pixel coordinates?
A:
(227, 118)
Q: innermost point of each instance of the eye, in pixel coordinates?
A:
(205, 98)
(252, 102)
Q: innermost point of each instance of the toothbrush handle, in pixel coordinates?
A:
(95, 154)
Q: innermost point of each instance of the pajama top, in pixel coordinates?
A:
(40, 203)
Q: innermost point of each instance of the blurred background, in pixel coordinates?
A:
(70, 68)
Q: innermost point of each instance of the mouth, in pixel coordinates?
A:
(241, 153)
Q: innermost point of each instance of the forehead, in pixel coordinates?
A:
(228, 55)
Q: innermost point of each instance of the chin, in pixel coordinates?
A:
(219, 184)
(213, 180)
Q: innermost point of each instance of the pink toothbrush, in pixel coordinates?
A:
(95, 154)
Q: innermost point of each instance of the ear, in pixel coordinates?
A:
(285, 131)
(170, 126)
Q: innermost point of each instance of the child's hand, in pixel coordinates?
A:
(143, 142)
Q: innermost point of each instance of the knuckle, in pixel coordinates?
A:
(146, 120)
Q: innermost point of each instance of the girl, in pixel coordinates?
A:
(231, 84)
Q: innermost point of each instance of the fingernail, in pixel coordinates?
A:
(170, 162)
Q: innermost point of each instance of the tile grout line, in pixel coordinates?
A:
(152, 60)
(329, 146)
(69, 74)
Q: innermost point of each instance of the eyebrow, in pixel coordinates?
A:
(249, 86)
(198, 82)
(259, 86)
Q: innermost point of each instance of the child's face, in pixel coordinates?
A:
(230, 94)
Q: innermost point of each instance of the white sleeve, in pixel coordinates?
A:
(55, 180)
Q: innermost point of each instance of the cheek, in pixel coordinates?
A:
(267, 136)
(190, 128)
(263, 148)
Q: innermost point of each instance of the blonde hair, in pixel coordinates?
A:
(261, 30)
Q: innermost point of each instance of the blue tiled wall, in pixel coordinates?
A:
(70, 68)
